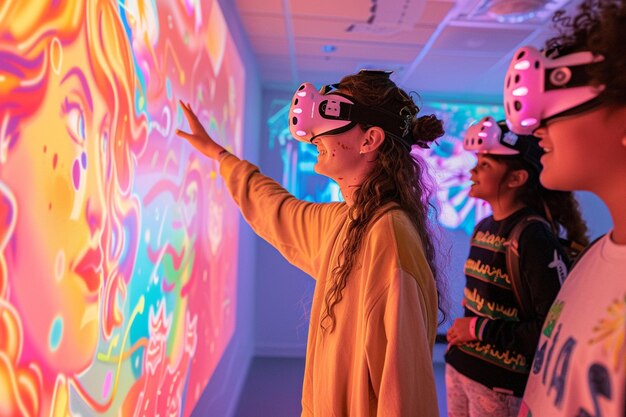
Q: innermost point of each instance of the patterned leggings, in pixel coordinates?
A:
(468, 398)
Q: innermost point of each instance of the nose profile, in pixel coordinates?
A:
(94, 214)
(540, 132)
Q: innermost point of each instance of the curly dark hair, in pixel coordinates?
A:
(598, 27)
(560, 208)
(399, 177)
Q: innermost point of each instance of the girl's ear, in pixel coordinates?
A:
(517, 178)
(372, 139)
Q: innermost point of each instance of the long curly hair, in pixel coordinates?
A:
(399, 177)
(599, 27)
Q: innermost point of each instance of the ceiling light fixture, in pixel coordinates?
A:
(510, 11)
(515, 11)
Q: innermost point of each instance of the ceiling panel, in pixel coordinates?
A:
(264, 25)
(339, 30)
(361, 50)
(260, 7)
(435, 12)
(331, 64)
(478, 40)
(357, 10)
(438, 46)
(270, 46)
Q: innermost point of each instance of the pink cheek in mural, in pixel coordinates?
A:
(76, 175)
(80, 166)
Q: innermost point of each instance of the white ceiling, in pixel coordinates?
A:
(443, 48)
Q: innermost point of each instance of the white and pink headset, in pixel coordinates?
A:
(537, 88)
(494, 138)
(485, 136)
(315, 113)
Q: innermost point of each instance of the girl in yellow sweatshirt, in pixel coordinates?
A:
(375, 307)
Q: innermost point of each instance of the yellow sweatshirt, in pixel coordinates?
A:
(378, 359)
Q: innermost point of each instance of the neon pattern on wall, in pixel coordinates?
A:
(117, 242)
(449, 164)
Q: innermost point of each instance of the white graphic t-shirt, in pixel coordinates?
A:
(579, 369)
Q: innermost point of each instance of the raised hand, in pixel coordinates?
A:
(199, 138)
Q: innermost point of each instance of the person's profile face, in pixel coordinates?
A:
(581, 148)
(338, 155)
(486, 177)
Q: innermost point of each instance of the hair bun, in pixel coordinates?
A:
(426, 129)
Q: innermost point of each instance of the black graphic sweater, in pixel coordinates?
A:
(501, 357)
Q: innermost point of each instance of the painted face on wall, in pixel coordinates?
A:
(55, 169)
(104, 208)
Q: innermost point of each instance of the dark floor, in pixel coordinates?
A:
(273, 388)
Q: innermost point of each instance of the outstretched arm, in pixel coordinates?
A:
(296, 228)
(199, 138)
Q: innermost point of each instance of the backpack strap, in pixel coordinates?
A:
(520, 289)
(585, 249)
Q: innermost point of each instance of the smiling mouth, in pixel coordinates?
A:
(546, 149)
(89, 268)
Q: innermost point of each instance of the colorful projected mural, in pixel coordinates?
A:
(449, 164)
(118, 243)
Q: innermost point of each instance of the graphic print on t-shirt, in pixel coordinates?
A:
(556, 354)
